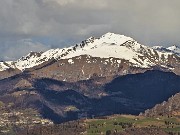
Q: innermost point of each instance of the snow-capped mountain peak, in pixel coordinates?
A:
(112, 38)
(108, 45)
(175, 49)
(158, 47)
(161, 49)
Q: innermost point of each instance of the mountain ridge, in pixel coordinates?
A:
(171, 107)
(108, 39)
(110, 55)
(174, 49)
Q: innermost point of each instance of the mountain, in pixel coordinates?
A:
(161, 49)
(171, 107)
(62, 101)
(109, 55)
(100, 76)
(174, 49)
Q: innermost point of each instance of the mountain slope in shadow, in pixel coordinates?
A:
(129, 94)
(150, 88)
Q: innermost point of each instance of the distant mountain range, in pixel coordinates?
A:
(174, 49)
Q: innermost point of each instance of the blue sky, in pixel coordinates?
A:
(38, 25)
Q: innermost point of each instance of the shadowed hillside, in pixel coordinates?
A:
(62, 101)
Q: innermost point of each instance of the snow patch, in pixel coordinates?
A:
(71, 61)
(118, 61)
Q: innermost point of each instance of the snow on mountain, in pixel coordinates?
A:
(34, 58)
(161, 49)
(3, 66)
(31, 60)
(105, 47)
(6, 65)
(108, 45)
(117, 46)
(174, 49)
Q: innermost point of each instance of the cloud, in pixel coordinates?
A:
(11, 50)
(69, 21)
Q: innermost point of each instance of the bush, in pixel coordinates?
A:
(108, 132)
(1, 104)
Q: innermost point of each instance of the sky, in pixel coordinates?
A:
(38, 25)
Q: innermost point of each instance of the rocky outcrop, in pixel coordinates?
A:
(171, 107)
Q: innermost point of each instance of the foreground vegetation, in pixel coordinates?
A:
(110, 125)
(117, 123)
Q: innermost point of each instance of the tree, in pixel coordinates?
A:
(108, 132)
(1, 104)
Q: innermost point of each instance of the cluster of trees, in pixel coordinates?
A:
(1, 104)
(123, 124)
(171, 123)
(69, 128)
(174, 133)
(108, 132)
(96, 131)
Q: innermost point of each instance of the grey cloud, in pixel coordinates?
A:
(70, 21)
(11, 50)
